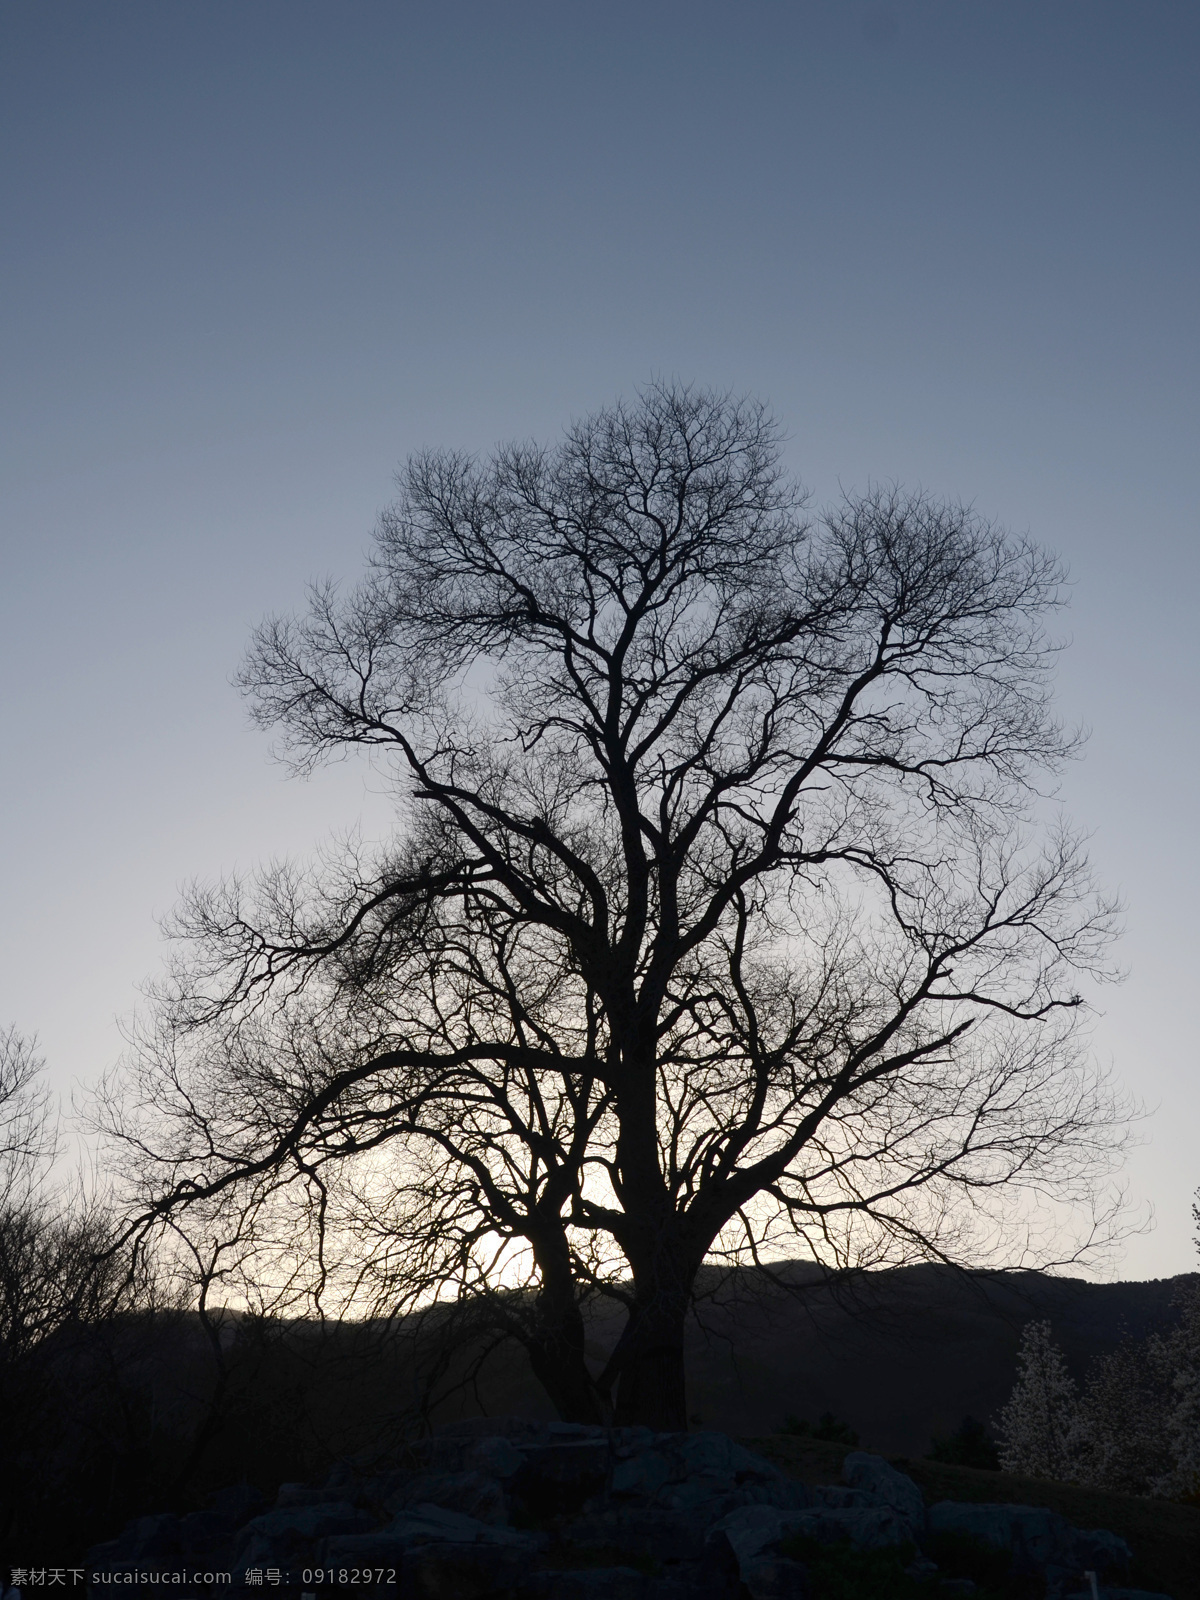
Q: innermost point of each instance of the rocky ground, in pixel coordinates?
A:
(519, 1510)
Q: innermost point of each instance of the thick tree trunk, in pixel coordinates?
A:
(554, 1342)
(556, 1356)
(651, 1380)
(647, 1366)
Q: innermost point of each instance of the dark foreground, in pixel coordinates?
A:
(508, 1509)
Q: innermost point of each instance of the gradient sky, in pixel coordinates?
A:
(256, 252)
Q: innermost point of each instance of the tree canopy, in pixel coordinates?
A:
(724, 911)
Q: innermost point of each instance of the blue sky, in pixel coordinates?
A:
(255, 253)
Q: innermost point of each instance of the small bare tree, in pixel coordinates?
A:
(716, 918)
(62, 1289)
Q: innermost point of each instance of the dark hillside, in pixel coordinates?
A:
(899, 1355)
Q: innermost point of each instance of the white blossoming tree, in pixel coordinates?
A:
(1039, 1429)
(1178, 1355)
(1135, 1428)
(1123, 1443)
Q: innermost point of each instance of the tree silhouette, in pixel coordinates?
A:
(716, 919)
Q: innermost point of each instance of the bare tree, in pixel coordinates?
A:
(725, 910)
(39, 1252)
(60, 1285)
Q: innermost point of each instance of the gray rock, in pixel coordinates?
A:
(837, 1497)
(308, 1522)
(303, 1494)
(628, 1441)
(587, 1583)
(150, 1542)
(1034, 1536)
(560, 1476)
(570, 1460)
(752, 1531)
(874, 1476)
(716, 1455)
(375, 1491)
(643, 1475)
(788, 1494)
(695, 1582)
(345, 1476)
(921, 1567)
(462, 1571)
(362, 1550)
(494, 1457)
(866, 1527)
(1098, 1550)
(260, 1551)
(203, 1533)
(241, 1501)
(664, 1536)
(759, 1530)
(686, 1471)
(1039, 1540)
(423, 1524)
(695, 1493)
(152, 1538)
(468, 1492)
(277, 1537)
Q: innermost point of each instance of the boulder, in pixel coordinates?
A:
(468, 1492)
(150, 1543)
(701, 1494)
(307, 1522)
(687, 1471)
(865, 1527)
(423, 1524)
(203, 1534)
(645, 1531)
(717, 1455)
(240, 1501)
(788, 1494)
(350, 1550)
(642, 1476)
(286, 1534)
(837, 1497)
(628, 1441)
(1039, 1540)
(874, 1476)
(560, 1475)
(462, 1571)
(494, 1457)
(587, 1583)
(303, 1494)
(1098, 1550)
(754, 1531)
